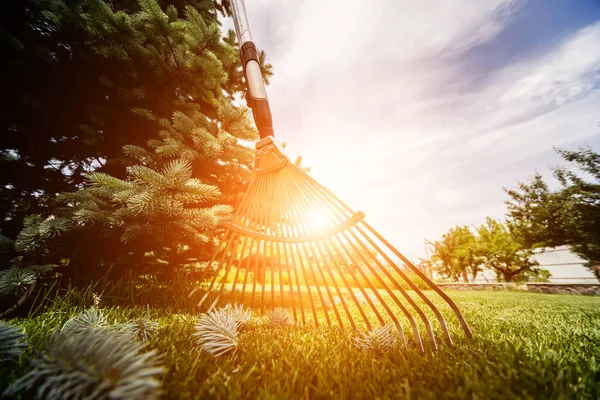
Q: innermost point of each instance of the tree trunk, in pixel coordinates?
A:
(596, 271)
(465, 275)
(508, 276)
(474, 272)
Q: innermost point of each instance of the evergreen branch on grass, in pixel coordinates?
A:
(279, 317)
(89, 319)
(100, 364)
(379, 340)
(141, 328)
(12, 342)
(241, 315)
(217, 333)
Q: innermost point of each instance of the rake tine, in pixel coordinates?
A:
(247, 268)
(268, 245)
(314, 245)
(378, 295)
(351, 291)
(243, 209)
(345, 254)
(287, 247)
(238, 269)
(229, 264)
(253, 241)
(273, 257)
(280, 222)
(245, 203)
(212, 305)
(255, 271)
(294, 247)
(270, 230)
(299, 230)
(281, 300)
(398, 287)
(362, 289)
(222, 246)
(212, 283)
(310, 248)
(302, 246)
(259, 223)
(277, 255)
(248, 220)
(263, 274)
(266, 226)
(324, 305)
(315, 253)
(394, 297)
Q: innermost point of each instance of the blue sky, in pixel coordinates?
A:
(418, 113)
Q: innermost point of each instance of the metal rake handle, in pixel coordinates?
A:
(256, 96)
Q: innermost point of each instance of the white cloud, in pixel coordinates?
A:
(565, 74)
(331, 34)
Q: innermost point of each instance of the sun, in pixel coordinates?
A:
(319, 222)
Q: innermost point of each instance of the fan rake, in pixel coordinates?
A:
(293, 234)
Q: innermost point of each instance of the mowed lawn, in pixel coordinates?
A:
(524, 346)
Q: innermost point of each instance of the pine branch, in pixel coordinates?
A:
(145, 175)
(102, 179)
(197, 191)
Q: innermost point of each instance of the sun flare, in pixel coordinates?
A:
(319, 222)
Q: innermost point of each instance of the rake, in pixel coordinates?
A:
(310, 246)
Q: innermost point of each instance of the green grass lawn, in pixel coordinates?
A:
(524, 346)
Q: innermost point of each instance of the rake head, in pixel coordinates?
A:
(294, 242)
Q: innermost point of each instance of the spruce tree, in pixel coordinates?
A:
(75, 71)
(152, 88)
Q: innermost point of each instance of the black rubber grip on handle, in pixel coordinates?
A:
(260, 107)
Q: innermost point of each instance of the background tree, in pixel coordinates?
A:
(455, 255)
(536, 215)
(569, 215)
(503, 254)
